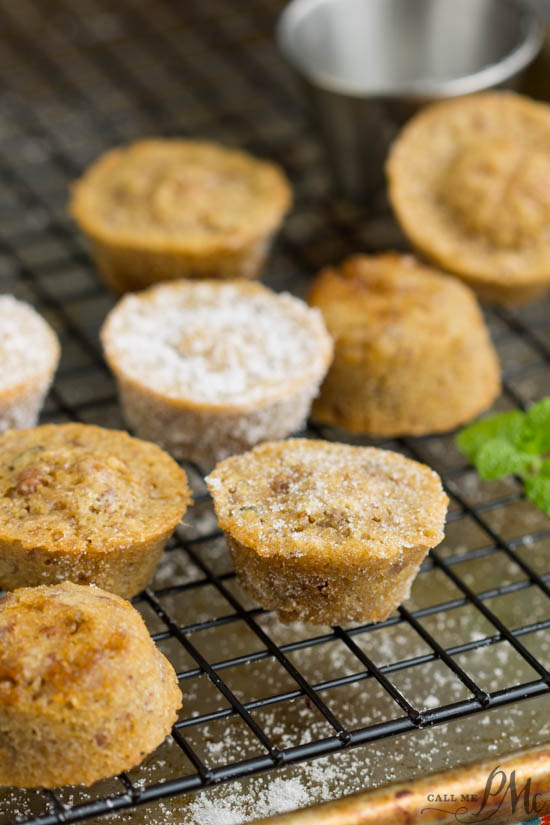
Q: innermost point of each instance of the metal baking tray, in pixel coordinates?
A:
(275, 717)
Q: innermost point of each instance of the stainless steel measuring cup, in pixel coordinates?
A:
(369, 64)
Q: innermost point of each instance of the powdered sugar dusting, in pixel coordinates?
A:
(218, 343)
(28, 346)
(279, 796)
(293, 723)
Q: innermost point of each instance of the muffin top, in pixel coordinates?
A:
(390, 303)
(469, 180)
(188, 194)
(67, 646)
(28, 345)
(221, 344)
(78, 488)
(328, 502)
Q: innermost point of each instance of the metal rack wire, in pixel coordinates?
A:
(78, 78)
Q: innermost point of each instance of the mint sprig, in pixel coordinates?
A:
(513, 443)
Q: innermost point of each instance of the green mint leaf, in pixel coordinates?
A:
(513, 442)
(498, 458)
(537, 490)
(535, 431)
(506, 426)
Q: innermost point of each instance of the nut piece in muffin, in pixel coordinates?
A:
(84, 692)
(324, 532)
(469, 181)
(157, 210)
(29, 354)
(412, 354)
(207, 369)
(86, 504)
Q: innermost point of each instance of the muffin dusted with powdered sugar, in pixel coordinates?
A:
(29, 354)
(325, 532)
(207, 369)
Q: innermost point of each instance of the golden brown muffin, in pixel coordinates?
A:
(29, 354)
(412, 354)
(325, 532)
(86, 504)
(469, 180)
(157, 210)
(84, 692)
(207, 369)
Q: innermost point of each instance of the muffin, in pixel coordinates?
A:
(324, 532)
(84, 692)
(208, 369)
(86, 504)
(412, 354)
(469, 180)
(157, 210)
(29, 354)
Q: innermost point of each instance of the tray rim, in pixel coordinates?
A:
(401, 803)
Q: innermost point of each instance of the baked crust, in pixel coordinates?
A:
(84, 692)
(209, 369)
(412, 354)
(29, 354)
(87, 504)
(164, 209)
(469, 181)
(327, 532)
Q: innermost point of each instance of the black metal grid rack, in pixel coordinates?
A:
(76, 78)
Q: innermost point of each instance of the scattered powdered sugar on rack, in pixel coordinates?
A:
(277, 796)
(298, 786)
(216, 342)
(28, 346)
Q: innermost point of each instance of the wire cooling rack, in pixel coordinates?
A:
(76, 78)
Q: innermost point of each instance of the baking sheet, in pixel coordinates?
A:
(77, 78)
